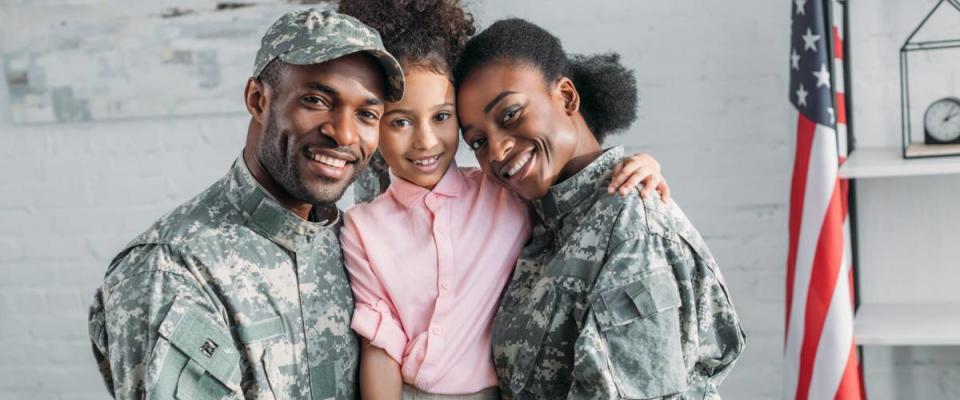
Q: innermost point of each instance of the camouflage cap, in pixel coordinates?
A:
(314, 36)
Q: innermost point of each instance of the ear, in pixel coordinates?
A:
(256, 98)
(569, 95)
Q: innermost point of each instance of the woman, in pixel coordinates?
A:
(614, 297)
(429, 259)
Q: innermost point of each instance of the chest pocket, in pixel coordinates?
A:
(640, 328)
(197, 359)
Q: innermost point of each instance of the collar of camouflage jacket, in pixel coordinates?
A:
(568, 195)
(268, 217)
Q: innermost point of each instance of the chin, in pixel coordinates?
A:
(324, 191)
(531, 193)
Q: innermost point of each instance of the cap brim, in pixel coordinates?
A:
(393, 73)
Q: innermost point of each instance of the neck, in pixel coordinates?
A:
(586, 151)
(260, 174)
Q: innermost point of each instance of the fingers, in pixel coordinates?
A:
(650, 184)
(631, 171)
(618, 176)
(664, 190)
(640, 175)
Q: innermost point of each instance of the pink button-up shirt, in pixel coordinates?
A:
(427, 269)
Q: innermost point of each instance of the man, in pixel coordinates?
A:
(241, 291)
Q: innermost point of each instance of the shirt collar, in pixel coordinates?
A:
(268, 217)
(409, 194)
(566, 196)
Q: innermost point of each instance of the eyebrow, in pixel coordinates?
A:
(322, 88)
(410, 112)
(370, 101)
(496, 100)
(486, 110)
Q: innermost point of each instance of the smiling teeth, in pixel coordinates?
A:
(333, 162)
(519, 164)
(426, 162)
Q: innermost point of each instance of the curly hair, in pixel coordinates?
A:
(424, 33)
(608, 90)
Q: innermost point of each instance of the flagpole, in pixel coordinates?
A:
(852, 187)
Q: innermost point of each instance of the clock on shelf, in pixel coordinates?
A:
(941, 122)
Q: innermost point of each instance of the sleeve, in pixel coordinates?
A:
(157, 335)
(661, 327)
(374, 316)
(720, 336)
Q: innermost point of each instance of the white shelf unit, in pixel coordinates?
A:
(921, 324)
(888, 162)
(902, 324)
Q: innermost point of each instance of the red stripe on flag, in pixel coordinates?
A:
(850, 387)
(841, 108)
(837, 43)
(805, 131)
(823, 282)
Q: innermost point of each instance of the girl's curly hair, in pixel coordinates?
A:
(423, 33)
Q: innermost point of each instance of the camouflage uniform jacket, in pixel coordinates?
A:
(614, 297)
(230, 295)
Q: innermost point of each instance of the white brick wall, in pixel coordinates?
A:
(712, 77)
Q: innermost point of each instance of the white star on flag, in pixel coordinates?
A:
(794, 59)
(823, 76)
(800, 4)
(810, 40)
(802, 96)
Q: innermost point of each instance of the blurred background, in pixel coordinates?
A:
(112, 112)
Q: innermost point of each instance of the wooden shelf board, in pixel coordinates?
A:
(887, 162)
(921, 324)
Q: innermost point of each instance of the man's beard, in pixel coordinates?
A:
(281, 162)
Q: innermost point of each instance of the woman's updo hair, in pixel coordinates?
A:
(419, 33)
(608, 90)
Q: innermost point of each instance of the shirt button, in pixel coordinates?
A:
(435, 331)
(445, 286)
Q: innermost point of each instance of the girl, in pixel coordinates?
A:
(614, 297)
(429, 258)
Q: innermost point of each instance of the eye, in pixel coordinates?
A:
(442, 116)
(510, 114)
(314, 100)
(401, 123)
(476, 144)
(368, 115)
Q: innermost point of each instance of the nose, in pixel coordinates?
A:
(342, 129)
(425, 137)
(500, 146)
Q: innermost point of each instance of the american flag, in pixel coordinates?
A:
(820, 356)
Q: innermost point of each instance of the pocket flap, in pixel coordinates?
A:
(206, 343)
(194, 384)
(261, 330)
(642, 298)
